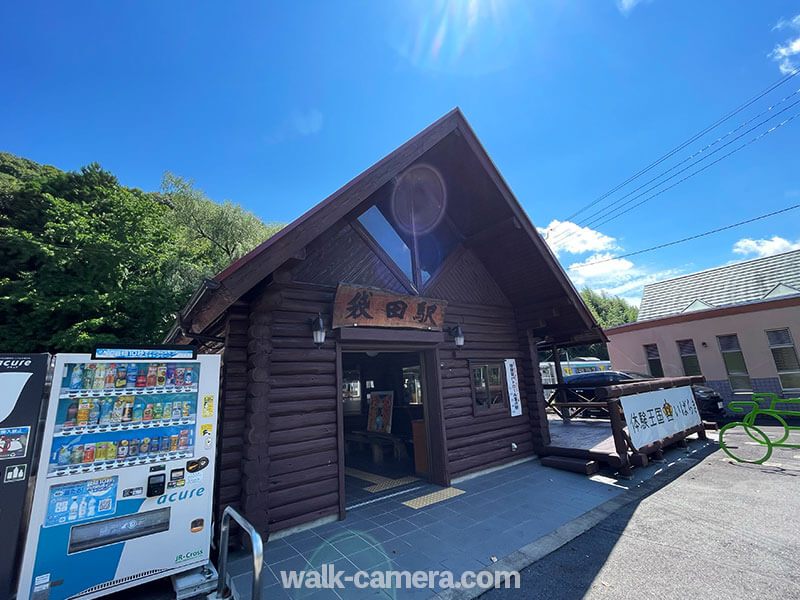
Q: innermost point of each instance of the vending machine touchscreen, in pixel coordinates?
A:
(115, 503)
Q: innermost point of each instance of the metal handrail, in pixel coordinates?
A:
(256, 543)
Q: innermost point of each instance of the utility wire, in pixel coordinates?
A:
(681, 146)
(567, 234)
(690, 175)
(691, 237)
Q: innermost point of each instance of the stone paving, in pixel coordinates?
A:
(497, 514)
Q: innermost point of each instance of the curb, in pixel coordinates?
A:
(538, 549)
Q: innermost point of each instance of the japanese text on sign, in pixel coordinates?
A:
(364, 306)
(652, 416)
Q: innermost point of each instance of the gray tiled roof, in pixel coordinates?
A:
(738, 283)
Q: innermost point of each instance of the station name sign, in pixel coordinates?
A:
(370, 307)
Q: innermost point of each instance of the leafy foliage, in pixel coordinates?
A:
(609, 311)
(85, 261)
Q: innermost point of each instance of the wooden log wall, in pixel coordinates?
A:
(479, 442)
(291, 471)
(231, 411)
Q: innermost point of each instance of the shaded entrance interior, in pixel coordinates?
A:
(383, 390)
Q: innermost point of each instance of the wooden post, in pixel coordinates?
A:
(340, 431)
(560, 391)
(620, 444)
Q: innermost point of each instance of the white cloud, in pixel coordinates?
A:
(784, 53)
(600, 268)
(626, 6)
(566, 236)
(764, 247)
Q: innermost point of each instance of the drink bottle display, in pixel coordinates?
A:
(114, 488)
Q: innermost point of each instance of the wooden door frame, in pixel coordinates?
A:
(434, 408)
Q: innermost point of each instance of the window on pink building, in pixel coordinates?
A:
(691, 366)
(734, 363)
(785, 356)
(653, 360)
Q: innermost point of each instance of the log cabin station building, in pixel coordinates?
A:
(421, 283)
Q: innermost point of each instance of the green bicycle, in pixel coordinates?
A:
(763, 442)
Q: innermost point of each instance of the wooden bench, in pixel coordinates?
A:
(379, 443)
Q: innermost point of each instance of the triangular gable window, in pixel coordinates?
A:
(411, 226)
(387, 238)
(781, 290)
(697, 305)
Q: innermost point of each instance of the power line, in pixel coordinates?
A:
(681, 146)
(691, 237)
(567, 234)
(690, 175)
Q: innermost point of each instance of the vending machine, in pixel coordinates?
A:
(22, 381)
(126, 472)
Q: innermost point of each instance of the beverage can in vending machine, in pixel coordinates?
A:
(188, 376)
(141, 375)
(154, 446)
(111, 375)
(127, 408)
(132, 375)
(106, 407)
(187, 409)
(88, 376)
(161, 375)
(100, 451)
(164, 443)
(83, 412)
(177, 410)
(111, 451)
(116, 412)
(158, 410)
(88, 453)
(166, 410)
(72, 414)
(170, 375)
(144, 446)
(122, 376)
(138, 410)
(76, 377)
(147, 415)
(179, 372)
(133, 447)
(99, 377)
(183, 439)
(151, 375)
(76, 457)
(173, 443)
(94, 412)
(122, 449)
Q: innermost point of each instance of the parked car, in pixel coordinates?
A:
(709, 402)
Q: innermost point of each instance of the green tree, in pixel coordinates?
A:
(210, 236)
(608, 311)
(85, 261)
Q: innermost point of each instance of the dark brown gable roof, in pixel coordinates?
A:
(216, 295)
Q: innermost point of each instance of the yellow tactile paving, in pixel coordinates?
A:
(366, 476)
(433, 498)
(389, 484)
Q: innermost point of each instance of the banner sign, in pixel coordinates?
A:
(652, 416)
(512, 381)
(165, 353)
(371, 307)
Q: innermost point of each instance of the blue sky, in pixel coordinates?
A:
(276, 105)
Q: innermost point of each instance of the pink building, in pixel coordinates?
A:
(736, 325)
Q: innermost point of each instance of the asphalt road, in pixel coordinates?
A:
(722, 530)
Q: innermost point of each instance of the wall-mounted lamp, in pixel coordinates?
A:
(458, 335)
(704, 345)
(318, 330)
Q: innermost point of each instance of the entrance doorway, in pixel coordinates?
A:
(384, 397)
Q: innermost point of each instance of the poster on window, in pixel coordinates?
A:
(380, 412)
(652, 416)
(512, 381)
